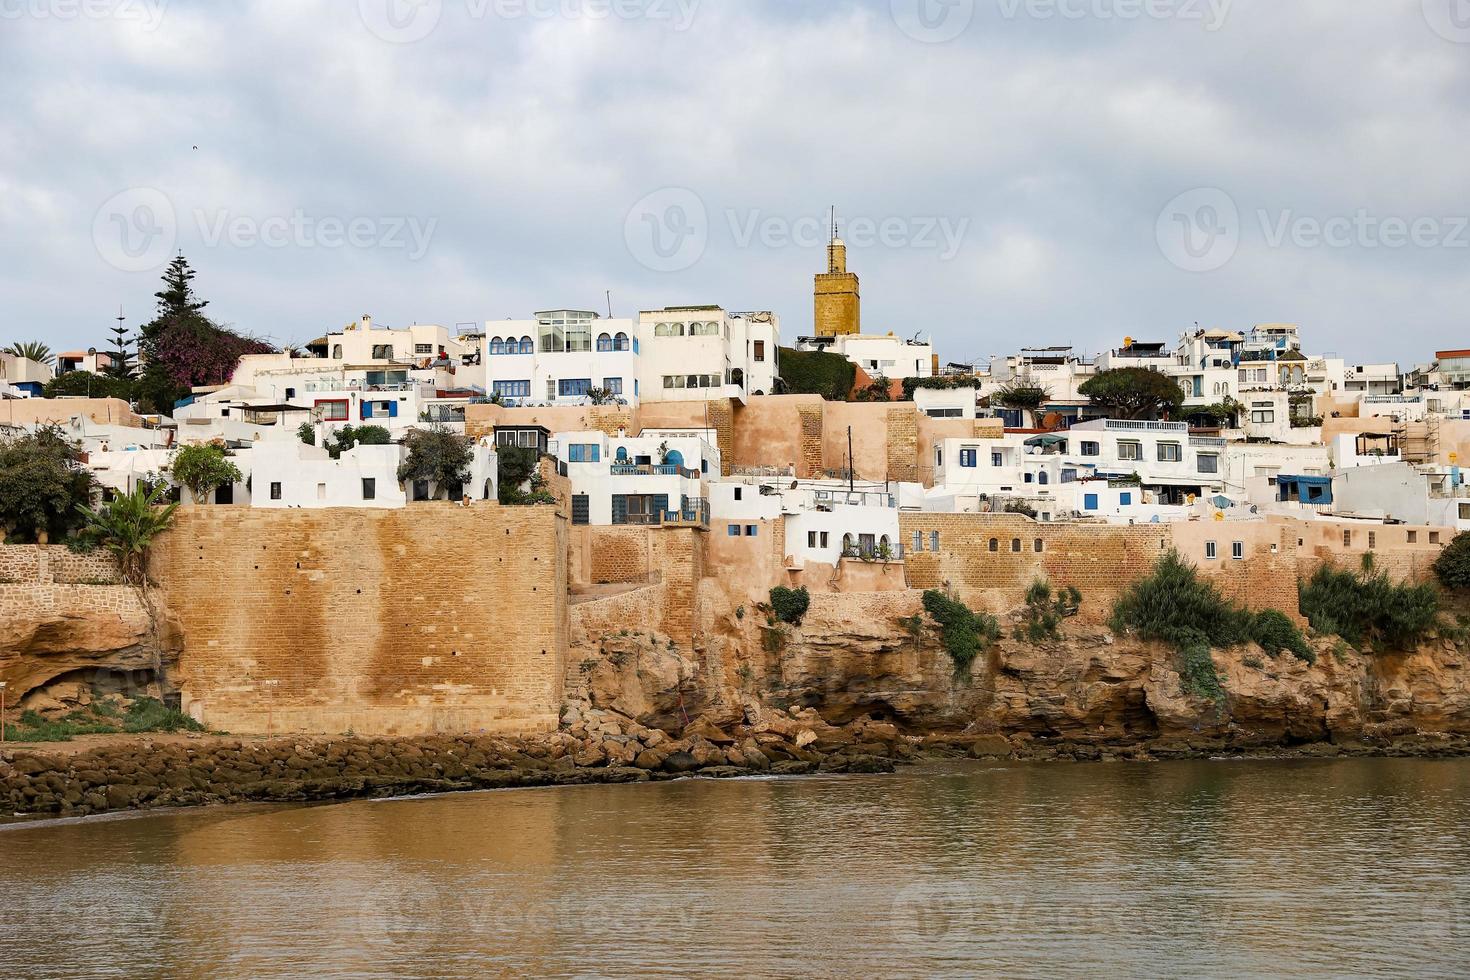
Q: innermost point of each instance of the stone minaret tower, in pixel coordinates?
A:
(836, 306)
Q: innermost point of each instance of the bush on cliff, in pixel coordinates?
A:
(1274, 631)
(806, 372)
(1365, 608)
(1452, 567)
(790, 605)
(1045, 610)
(964, 632)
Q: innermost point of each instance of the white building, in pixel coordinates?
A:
(653, 478)
(1403, 492)
(884, 356)
(25, 377)
(694, 353)
(559, 357)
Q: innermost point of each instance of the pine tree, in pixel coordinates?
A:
(121, 366)
(177, 298)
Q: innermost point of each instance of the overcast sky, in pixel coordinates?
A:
(1007, 172)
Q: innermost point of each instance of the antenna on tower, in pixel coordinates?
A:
(833, 213)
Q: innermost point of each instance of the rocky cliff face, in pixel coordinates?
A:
(859, 657)
(77, 639)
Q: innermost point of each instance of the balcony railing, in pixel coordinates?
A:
(1211, 442)
(653, 469)
(1134, 425)
(694, 511)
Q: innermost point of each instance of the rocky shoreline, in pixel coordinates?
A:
(143, 772)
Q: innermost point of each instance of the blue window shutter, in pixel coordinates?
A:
(367, 410)
(1089, 501)
(1125, 498)
(596, 453)
(393, 410)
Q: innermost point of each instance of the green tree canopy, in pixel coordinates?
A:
(810, 372)
(42, 483)
(357, 435)
(1021, 396)
(33, 349)
(1452, 567)
(202, 468)
(1133, 393)
(437, 456)
(85, 384)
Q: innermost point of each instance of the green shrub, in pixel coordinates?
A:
(1452, 567)
(964, 632)
(1045, 611)
(1197, 669)
(1274, 631)
(817, 373)
(102, 718)
(1365, 608)
(790, 605)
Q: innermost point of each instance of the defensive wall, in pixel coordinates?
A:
(433, 618)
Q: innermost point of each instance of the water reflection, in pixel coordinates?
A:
(1236, 868)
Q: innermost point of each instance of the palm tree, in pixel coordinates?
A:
(127, 527)
(32, 349)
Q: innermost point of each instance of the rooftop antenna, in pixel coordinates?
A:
(832, 211)
(609, 304)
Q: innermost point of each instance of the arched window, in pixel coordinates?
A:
(336, 352)
(708, 329)
(995, 544)
(489, 488)
(847, 543)
(674, 458)
(497, 346)
(1042, 478)
(668, 330)
(883, 544)
(526, 346)
(1016, 545)
(622, 454)
(604, 343)
(620, 342)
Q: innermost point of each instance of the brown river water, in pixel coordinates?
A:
(1224, 868)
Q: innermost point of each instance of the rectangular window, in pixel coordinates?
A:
(1089, 501)
(512, 389)
(1169, 452)
(933, 540)
(1434, 537)
(967, 458)
(369, 488)
(750, 530)
(1262, 416)
(333, 411)
(739, 492)
(1347, 539)
(589, 452)
(423, 348)
(1210, 550)
(1237, 550)
(996, 459)
(275, 491)
(1091, 449)
(573, 387)
(1412, 537)
(1208, 463)
(1037, 546)
(1125, 498)
(732, 530)
(1465, 512)
(760, 350)
(1373, 538)
(824, 539)
(918, 540)
(811, 539)
(1130, 450)
(613, 386)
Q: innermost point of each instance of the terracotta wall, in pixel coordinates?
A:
(431, 618)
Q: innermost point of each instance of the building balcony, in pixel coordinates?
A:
(1210, 442)
(1135, 425)
(654, 469)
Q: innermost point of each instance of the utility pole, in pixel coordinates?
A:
(850, 468)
